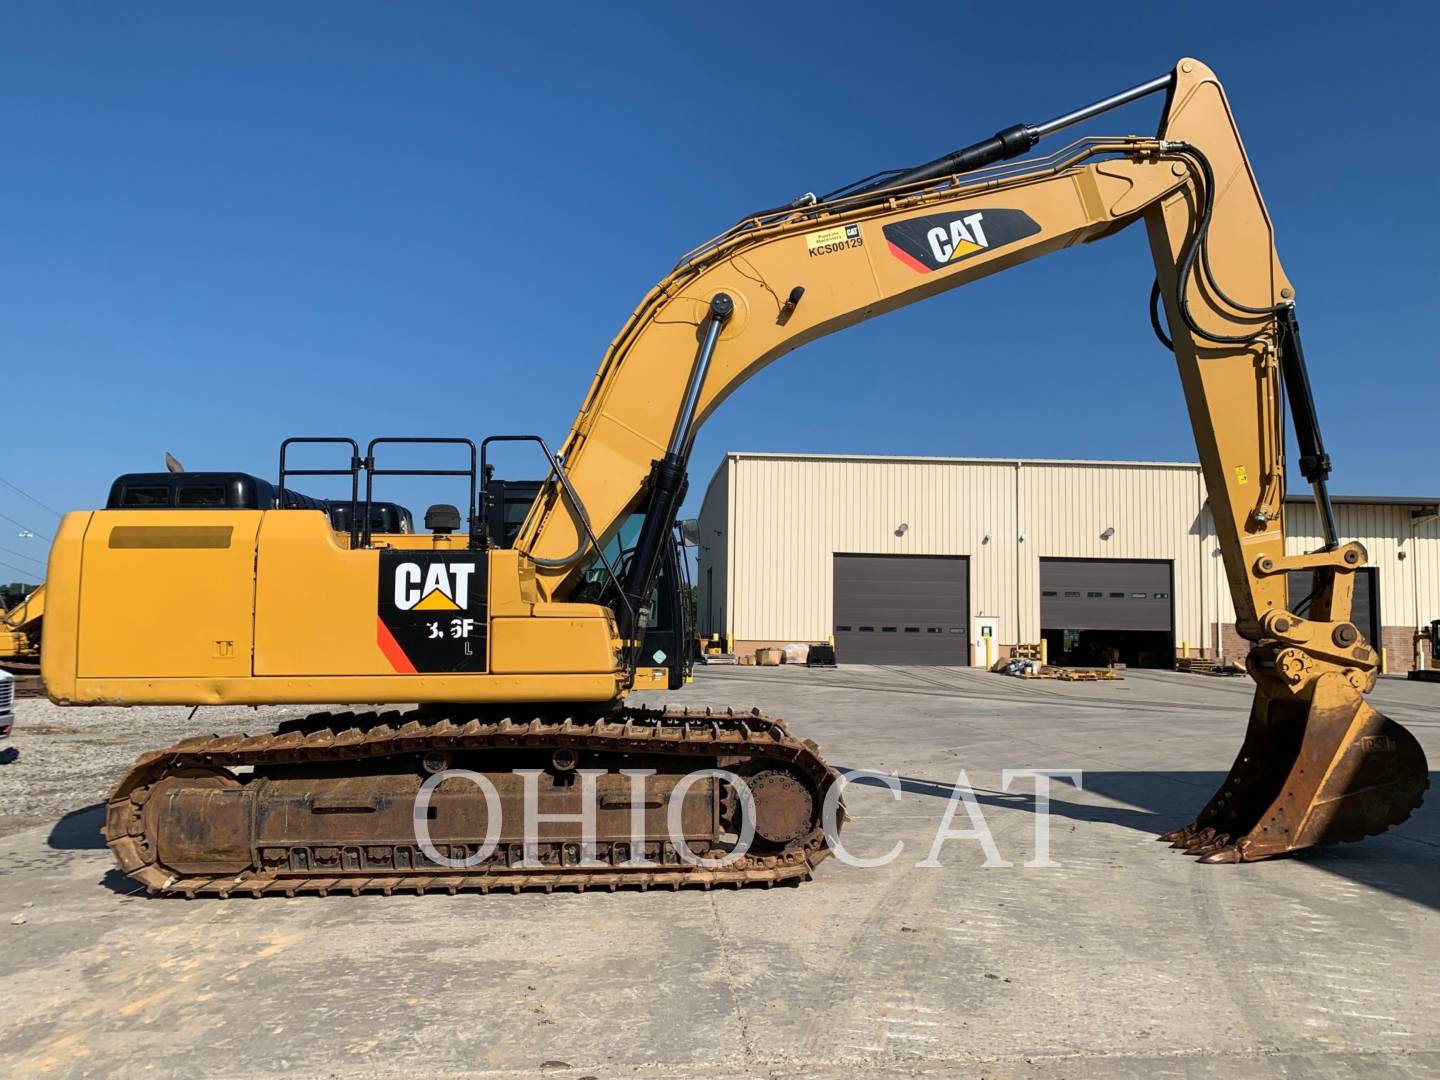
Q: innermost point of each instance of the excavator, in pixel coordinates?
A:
(520, 658)
(20, 628)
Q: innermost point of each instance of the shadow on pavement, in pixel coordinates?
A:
(79, 830)
(122, 884)
(1404, 862)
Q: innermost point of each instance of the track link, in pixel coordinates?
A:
(324, 737)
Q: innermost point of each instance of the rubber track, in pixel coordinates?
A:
(357, 736)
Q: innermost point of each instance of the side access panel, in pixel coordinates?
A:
(322, 609)
(167, 594)
(314, 601)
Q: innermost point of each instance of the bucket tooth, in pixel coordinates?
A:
(1321, 770)
(1196, 839)
(1217, 842)
(1224, 855)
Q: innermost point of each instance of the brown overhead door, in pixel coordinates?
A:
(902, 609)
(1105, 594)
(1364, 613)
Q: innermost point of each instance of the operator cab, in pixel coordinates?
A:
(666, 636)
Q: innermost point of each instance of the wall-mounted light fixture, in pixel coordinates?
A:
(1109, 532)
(1024, 537)
(985, 539)
(902, 529)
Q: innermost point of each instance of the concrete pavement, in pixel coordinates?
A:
(1127, 960)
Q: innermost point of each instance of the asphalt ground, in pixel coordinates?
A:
(1127, 959)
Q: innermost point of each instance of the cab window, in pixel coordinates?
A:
(201, 495)
(146, 496)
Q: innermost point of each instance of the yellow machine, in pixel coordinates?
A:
(522, 657)
(20, 628)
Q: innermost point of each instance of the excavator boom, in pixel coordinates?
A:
(1318, 763)
(20, 628)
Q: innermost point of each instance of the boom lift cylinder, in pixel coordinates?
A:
(667, 476)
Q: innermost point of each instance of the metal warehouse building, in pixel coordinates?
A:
(916, 560)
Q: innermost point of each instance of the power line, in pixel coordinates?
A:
(26, 494)
(22, 555)
(24, 528)
(17, 569)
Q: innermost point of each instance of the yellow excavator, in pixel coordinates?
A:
(20, 628)
(520, 657)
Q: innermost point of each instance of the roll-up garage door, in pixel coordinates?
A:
(1106, 594)
(902, 609)
(1364, 612)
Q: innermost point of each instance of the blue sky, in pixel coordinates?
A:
(219, 229)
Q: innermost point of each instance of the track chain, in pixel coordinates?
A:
(356, 736)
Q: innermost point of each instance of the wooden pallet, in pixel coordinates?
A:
(1194, 665)
(1088, 675)
(1072, 674)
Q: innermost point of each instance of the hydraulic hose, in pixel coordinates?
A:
(1197, 246)
(566, 494)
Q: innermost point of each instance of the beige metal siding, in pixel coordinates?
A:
(1384, 530)
(783, 518)
(712, 561)
(793, 514)
(1425, 557)
(1154, 509)
(1408, 587)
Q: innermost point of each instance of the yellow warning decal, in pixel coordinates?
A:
(435, 600)
(1241, 476)
(838, 238)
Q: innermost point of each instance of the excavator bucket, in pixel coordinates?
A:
(1319, 771)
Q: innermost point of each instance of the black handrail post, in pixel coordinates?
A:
(371, 472)
(353, 472)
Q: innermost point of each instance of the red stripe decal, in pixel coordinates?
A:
(391, 648)
(908, 260)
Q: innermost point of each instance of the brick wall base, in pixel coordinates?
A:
(1235, 647)
(1399, 645)
(1397, 641)
(747, 647)
(1232, 644)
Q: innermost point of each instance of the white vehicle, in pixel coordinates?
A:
(7, 704)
